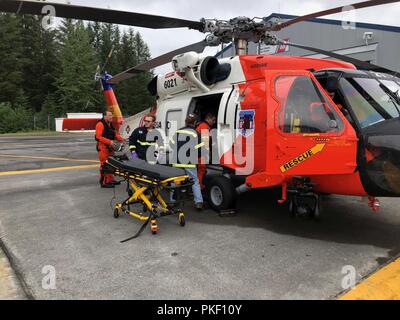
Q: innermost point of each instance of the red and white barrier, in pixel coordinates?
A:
(78, 122)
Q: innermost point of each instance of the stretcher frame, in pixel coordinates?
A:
(147, 191)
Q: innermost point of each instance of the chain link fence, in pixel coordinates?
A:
(42, 121)
(21, 120)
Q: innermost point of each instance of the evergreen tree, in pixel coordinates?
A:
(40, 69)
(94, 29)
(109, 40)
(52, 71)
(132, 94)
(78, 63)
(12, 60)
(129, 49)
(127, 59)
(141, 97)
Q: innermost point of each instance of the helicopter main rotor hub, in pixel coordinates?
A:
(239, 29)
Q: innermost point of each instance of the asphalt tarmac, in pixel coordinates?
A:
(55, 220)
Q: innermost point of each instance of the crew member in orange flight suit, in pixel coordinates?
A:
(106, 136)
(204, 130)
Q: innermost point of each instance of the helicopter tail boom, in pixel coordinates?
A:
(112, 104)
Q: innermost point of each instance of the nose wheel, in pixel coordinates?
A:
(305, 206)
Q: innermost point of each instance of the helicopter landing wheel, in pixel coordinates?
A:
(220, 193)
(306, 207)
(292, 209)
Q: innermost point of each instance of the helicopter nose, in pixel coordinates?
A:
(381, 172)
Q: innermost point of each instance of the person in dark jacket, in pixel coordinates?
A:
(145, 137)
(186, 149)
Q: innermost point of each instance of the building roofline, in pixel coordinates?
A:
(338, 22)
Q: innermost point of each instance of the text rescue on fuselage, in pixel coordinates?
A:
(303, 157)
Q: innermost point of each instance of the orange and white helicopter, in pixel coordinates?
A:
(310, 126)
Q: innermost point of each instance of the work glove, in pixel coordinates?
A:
(116, 146)
(134, 155)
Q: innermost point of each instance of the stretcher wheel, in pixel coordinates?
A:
(116, 213)
(182, 221)
(154, 227)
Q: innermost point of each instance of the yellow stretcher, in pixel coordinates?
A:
(145, 184)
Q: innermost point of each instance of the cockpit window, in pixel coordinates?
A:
(304, 108)
(372, 100)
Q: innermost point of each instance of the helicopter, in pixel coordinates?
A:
(309, 126)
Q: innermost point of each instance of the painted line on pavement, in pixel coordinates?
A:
(45, 158)
(19, 145)
(381, 285)
(12, 173)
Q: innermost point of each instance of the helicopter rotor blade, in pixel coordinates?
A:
(358, 63)
(101, 69)
(359, 5)
(109, 56)
(97, 14)
(156, 62)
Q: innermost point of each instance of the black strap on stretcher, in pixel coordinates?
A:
(140, 230)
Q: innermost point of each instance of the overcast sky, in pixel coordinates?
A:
(161, 41)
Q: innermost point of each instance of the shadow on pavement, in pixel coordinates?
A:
(343, 220)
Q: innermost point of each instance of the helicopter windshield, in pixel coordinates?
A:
(372, 100)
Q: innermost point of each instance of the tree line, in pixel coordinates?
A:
(50, 71)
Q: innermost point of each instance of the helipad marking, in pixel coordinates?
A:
(46, 158)
(382, 285)
(11, 173)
